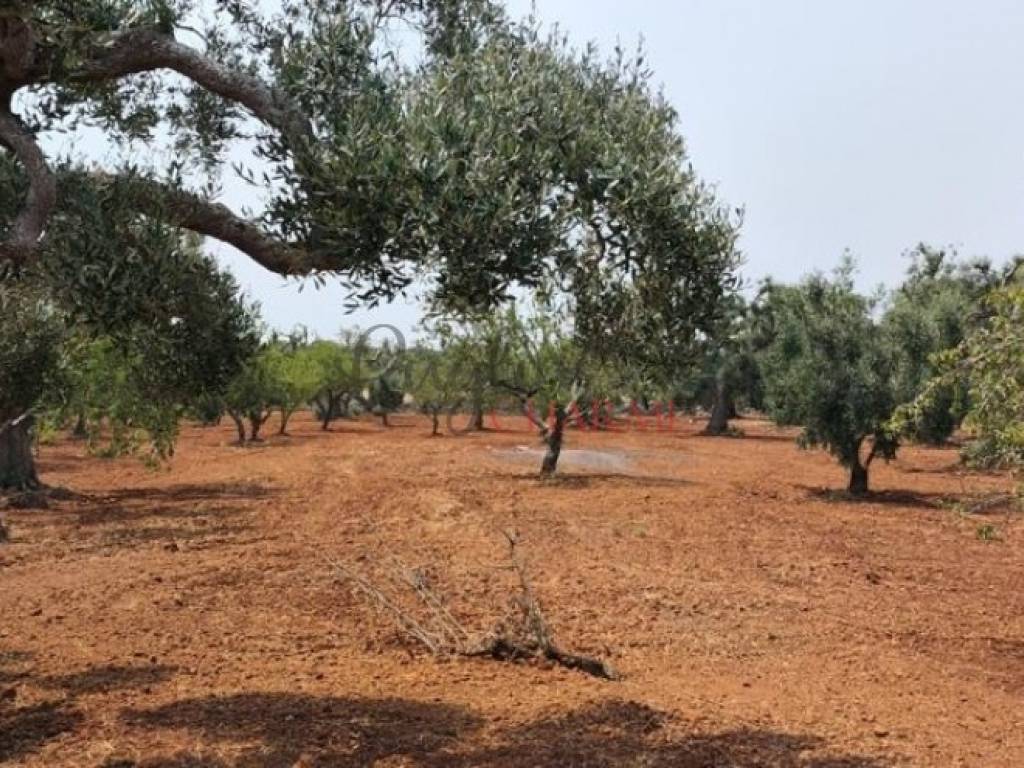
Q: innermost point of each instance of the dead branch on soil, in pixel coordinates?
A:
(1011, 502)
(405, 597)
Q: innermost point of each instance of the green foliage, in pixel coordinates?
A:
(295, 373)
(438, 380)
(938, 304)
(829, 370)
(989, 364)
(252, 394)
(994, 366)
(31, 335)
(110, 383)
(136, 370)
(727, 372)
(476, 356)
(386, 396)
(478, 167)
(126, 367)
(339, 380)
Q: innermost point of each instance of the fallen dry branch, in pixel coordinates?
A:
(525, 635)
(1008, 501)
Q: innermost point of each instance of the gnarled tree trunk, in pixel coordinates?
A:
(81, 429)
(722, 408)
(256, 420)
(858, 478)
(239, 425)
(17, 465)
(553, 440)
(476, 422)
(327, 413)
(286, 416)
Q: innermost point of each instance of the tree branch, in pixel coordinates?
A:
(524, 395)
(205, 217)
(147, 50)
(114, 56)
(24, 235)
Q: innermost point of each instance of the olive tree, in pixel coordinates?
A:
(31, 336)
(338, 376)
(727, 372)
(385, 396)
(472, 351)
(938, 304)
(252, 395)
(642, 254)
(135, 367)
(493, 158)
(374, 170)
(438, 380)
(295, 373)
(829, 369)
(989, 364)
(126, 367)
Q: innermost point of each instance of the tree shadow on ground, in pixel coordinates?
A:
(756, 438)
(625, 733)
(895, 498)
(10, 659)
(177, 502)
(189, 492)
(139, 517)
(106, 679)
(319, 731)
(26, 729)
(953, 468)
(341, 732)
(169, 535)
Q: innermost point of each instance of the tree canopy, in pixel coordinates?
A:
(829, 370)
(496, 157)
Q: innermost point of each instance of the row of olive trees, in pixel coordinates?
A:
(818, 354)
(843, 365)
(335, 379)
(124, 379)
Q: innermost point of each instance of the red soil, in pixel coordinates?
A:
(189, 616)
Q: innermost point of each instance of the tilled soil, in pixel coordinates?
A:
(192, 616)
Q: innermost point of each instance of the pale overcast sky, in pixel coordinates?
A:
(870, 126)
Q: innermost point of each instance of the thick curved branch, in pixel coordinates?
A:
(205, 217)
(133, 52)
(24, 235)
(146, 50)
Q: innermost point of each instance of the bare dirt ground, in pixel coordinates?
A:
(188, 616)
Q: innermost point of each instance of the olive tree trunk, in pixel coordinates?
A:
(476, 420)
(239, 425)
(722, 407)
(256, 420)
(476, 423)
(553, 440)
(17, 465)
(858, 478)
(286, 416)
